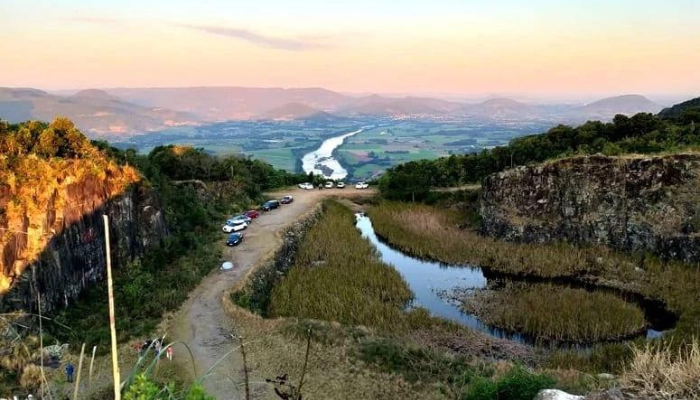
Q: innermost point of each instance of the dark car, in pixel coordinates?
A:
(234, 239)
(287, 199)
(270, 205)
(252, 214)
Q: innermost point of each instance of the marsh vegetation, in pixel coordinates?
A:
(555, 313)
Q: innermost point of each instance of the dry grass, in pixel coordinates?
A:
(660, 371)
(338, 276)
(434, 233)
(556, 313)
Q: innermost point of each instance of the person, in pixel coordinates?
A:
(157, 346)
(169, 353)
(146, 345)
(69, 372)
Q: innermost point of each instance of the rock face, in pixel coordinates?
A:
(630, 203)
(68, 234)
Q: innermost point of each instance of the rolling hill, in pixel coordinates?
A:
(294, 111)
(609, 107)
(231, 103)
(94, 111)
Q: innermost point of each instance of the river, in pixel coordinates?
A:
(427, 279)
(322, 162)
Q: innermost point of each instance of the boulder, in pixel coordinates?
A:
(555, 394)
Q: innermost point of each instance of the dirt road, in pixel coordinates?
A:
(202, 322)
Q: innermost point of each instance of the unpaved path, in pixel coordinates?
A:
(202, 323)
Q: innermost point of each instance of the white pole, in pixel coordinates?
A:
(112, 327)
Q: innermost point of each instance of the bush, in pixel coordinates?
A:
(517, 384)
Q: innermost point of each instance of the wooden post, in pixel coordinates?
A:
(77, 377)
(112, 327)
(44, 385)
(245, 370)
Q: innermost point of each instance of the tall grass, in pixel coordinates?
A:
(550, 312)
(338, 276)
(662, 372)
(431, 232)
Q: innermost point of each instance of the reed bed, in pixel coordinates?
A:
(435, 233)
(338, 276)
(554, 313)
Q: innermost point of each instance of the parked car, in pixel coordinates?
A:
(329, 185)
(361, 185)
(340, 185)
(270, 205)
(240, 218)
(234, 239)
(252, 214)
(287, 199)
(234, 227)
(306, 186)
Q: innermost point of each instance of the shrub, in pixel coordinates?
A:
(517, 384)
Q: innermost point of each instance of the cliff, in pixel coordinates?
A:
(51, 229)
(630, 203)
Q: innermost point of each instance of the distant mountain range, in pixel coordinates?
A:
(124, 111)
(93, 111)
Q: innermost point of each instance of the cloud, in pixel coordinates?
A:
(292, 44)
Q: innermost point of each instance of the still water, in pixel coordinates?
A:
(427, 279)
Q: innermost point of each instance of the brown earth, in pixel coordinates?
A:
(202, 323)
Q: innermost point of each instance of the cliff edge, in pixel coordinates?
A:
(631, 203)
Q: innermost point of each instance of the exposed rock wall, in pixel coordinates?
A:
(52, 239)
(630, 203)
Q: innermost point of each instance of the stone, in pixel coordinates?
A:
(605, 377)
(629, 203)
(74, 257)
(608, 394)
(555, 394)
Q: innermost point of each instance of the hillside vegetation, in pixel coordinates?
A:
(41, 167)
(195, 192)
(641, 133)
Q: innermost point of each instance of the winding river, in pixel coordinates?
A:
(322, 162)
(427, 279)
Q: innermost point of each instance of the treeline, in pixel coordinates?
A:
(60, 138)
(185, 163)
(641, 133)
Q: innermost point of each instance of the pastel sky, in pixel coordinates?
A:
(534, 47)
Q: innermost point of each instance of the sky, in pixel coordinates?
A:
(536, 48)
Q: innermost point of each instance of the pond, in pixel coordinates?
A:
(427, 279)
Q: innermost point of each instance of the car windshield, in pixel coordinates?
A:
(234, 236)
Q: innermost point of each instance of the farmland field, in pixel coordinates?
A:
(382, 143)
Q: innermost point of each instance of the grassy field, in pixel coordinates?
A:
(556, 313)
(337, 276)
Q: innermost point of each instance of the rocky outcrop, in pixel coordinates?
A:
(52, 240)
(631, 203)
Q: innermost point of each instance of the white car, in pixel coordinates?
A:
(340, 185)
(234, 227)
(361, 185)
(306, 185)
(329, 185)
